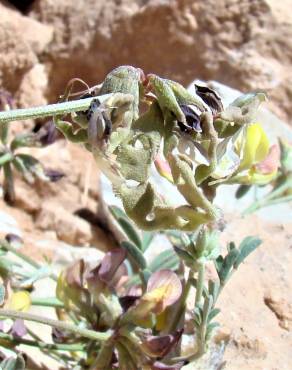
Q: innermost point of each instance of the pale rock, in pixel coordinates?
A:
(68, 227)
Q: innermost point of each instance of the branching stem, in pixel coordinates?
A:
(90, 334)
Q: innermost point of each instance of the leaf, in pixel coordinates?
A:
(214, 312)
(241, 191)
(227, 265)
(185, 256)
(15, 363)
(30, 164)
(210, 329)
(208, 303)
(38, 274)
(126, 225)
(146, 240)
(117, 212)
(167, 259)
(134, 254)
(20, 301)
(243, 109)
(2, 294)
(130, 231)
(247, 246)
(214, 288)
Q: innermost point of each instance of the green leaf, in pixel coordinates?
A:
(227, 265)
(247, 246)
(241, 191)
(2, 294)
(4, 131)
(134, 254)
(165, 260)
(184, 256)
(5, 157)
(210, 329)
(130, 231)
(117, 212)
(29, 163)
(214, 312)
(25, 140)
(208, 303)
(16, 363)
(147, 239)
(38, 274)
(198, 316)
(127, 226)
(214, 288)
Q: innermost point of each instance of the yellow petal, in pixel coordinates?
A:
(256, 146)
(20, 301)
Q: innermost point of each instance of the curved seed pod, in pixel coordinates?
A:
(124, 79)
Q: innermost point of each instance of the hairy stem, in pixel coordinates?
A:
(4, 244)
(200, 284)
(48, 110)
(42, 345)
(90, 334)
(47, 302)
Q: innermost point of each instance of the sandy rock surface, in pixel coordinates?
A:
(245, 44)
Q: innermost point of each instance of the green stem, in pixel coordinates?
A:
(42, 345)
(47, 302)
(10, 248)
(4, 244)
(48, 110)
(90, 334)
(7, 157)
(182, 303)
(284, 199)
(265, 202)
(268, 199)
(200, 284)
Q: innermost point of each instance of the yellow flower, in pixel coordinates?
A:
(259, 161)
(20, 301)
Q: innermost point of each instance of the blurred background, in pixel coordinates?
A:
(244, 44)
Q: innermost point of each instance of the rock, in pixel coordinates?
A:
(26, 197)
(250, 346)
(64, 254)
(282, 309)
(22, 40)
(243, 44)
(69, 228)
(33, 87)
(8, 225)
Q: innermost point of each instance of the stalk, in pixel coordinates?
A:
(24, 257)
(47, 302)
(49, 110)
(76, 347)
(200, 284)
(90, 334)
